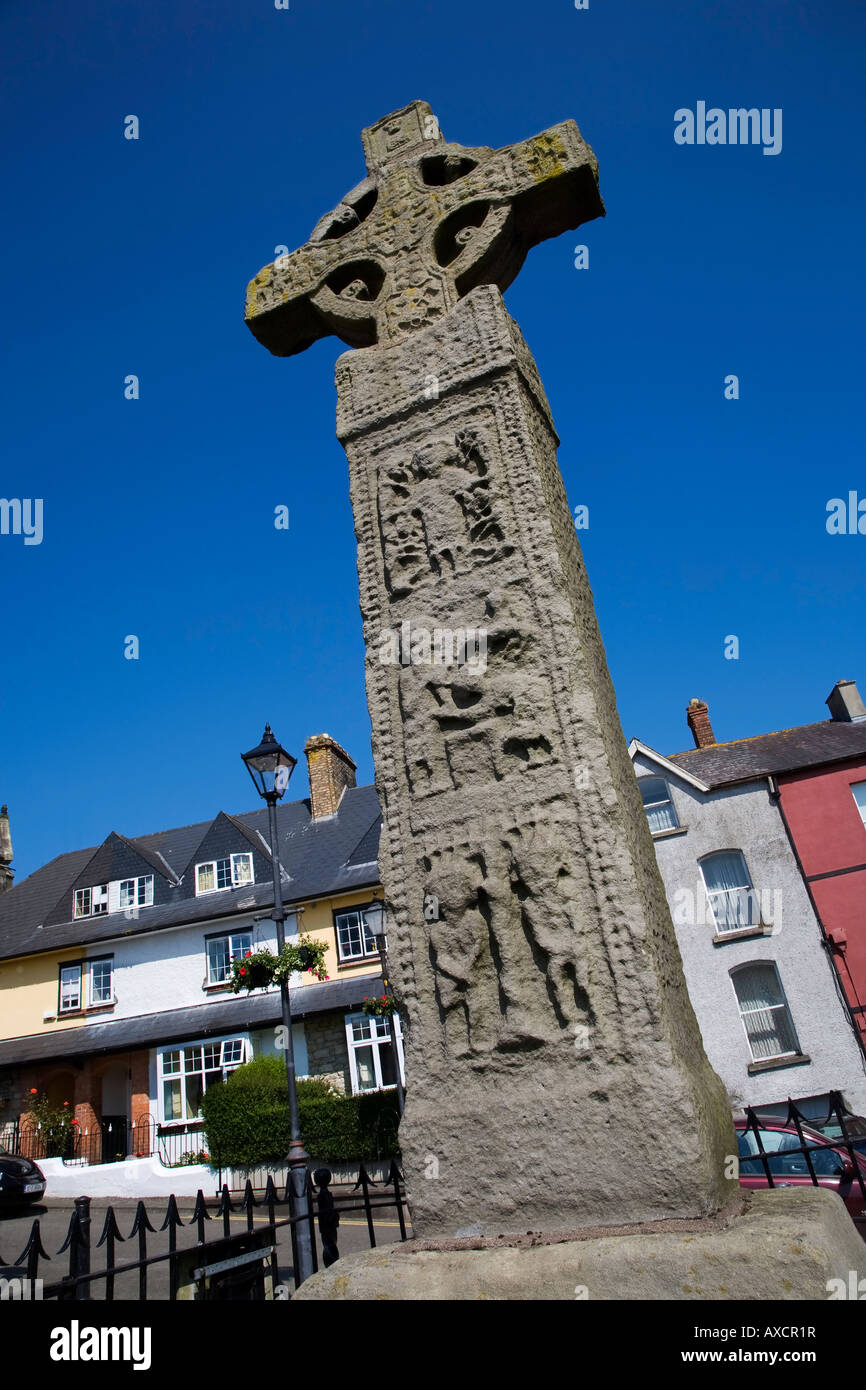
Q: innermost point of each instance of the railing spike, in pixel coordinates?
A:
(225, 1202)
(200, 1213)
(109, 1228)
(73, 1226)
(34, 1242)
(172, 1215)
(142, 1221)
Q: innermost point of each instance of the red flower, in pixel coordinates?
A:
(75, 1122)
(33, 1091)
(66, 1102)
(242, 971)
(247, 953)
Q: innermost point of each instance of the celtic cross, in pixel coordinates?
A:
(429, 223)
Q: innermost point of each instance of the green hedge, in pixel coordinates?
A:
(247, 1119)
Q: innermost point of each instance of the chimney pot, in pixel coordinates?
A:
(698, 717)
(844, 703)
(331, 771)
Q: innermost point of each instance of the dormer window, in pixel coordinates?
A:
(137, 892)
(657, 802)
(217, 874)
(91, 902)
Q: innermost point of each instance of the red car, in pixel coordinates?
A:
(832, 1166)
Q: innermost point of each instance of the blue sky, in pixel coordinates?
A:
(707, 516)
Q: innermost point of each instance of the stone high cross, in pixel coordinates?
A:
(556, 1077)
(429, 223)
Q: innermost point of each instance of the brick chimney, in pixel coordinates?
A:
(331, 772)
(698, 716)
(844, 703)
(6, 874)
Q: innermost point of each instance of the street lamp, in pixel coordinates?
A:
(270, 767)
(374, 918)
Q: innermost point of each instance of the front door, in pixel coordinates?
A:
(113, 1138)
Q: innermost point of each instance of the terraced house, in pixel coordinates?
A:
(115, 963)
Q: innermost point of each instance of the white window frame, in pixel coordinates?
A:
(101, 961)
(724, 927)
(96, 906)
(234, 952)
(376, 1039)
(770, 1008)
(201, 1043)
(663, 801)
(858, 791)
(142, 892)
(79, 1005)
(232, 860)
(366, 936)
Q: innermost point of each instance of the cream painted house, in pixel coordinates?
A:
(115, 961)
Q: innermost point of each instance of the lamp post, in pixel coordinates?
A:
(374, 918)
(270, 767)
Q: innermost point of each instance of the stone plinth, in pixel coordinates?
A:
(786, 1245)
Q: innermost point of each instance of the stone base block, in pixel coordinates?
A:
(783, 1245)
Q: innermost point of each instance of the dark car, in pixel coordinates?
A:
(832, 1166)
(21, 1181)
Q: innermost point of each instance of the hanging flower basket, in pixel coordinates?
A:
(261, 969)
(380, 1005)
(256, 971)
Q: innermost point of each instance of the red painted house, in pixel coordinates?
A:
(824, 807)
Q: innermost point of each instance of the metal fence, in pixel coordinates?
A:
(110, 1142)
(810, 1159)
(216, 1265)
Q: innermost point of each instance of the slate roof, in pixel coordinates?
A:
(333, 855)
(200, 1021)
(789, 750)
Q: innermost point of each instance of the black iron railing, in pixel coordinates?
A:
(239, 1265)
(111, 1141)
(776, 1165)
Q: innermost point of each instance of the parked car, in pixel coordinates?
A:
(21, 1180)
(855, 1126)
(832, 1166)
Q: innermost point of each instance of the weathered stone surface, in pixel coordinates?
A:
(548, 1023)
(430, 222)
(555, 1072)
(787, 1245)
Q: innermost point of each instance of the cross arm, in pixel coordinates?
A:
(527, 192)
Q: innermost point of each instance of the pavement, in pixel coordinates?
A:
(54, 1215)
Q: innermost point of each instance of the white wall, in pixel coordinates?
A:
(746, 818)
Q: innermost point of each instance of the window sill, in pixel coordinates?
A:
(742, 934)
(80, 1013)
(796, 1059)
(360, 960)
(229, 888)
(668, 834)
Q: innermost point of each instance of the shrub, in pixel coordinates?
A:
(247, 1119)
(56, 1125)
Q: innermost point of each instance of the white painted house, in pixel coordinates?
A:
(772, 1018)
